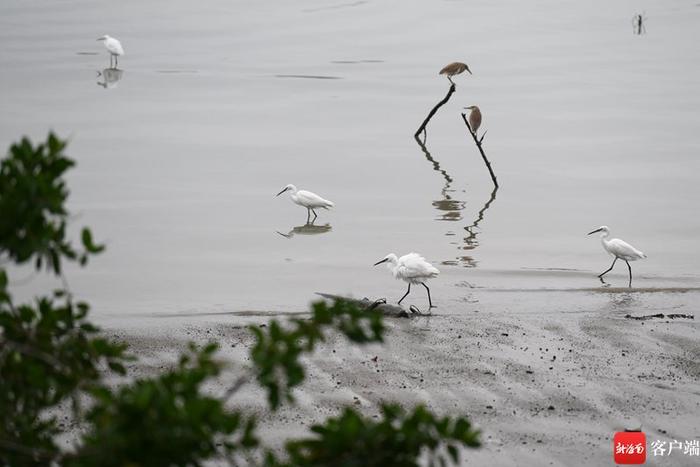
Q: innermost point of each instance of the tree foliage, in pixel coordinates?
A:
(33, 216)
(166, 420)
(276, 352)
(52, 356)
(398, 439)
(49, 351)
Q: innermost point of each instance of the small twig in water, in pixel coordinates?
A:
(660, 315)
(238, 384)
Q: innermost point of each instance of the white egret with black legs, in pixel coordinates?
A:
(411, 268)
(619, 249)
(114, 47)
(308, 200)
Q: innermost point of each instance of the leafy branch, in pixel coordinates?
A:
(166, 420)
(399, 438)
(276, 351)
(33, 217)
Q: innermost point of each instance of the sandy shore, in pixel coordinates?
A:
(547, 385)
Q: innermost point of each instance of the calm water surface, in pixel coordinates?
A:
(220, 104)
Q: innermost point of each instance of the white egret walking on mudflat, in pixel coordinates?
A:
(619, 249)
(114, 47)
(411, 268)
(307, 199)
(454, 68)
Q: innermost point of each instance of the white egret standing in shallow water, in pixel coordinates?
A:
(114, 47)
(619, 249)
(411, 268)
(307, 199)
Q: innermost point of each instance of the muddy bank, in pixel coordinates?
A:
(546, 386)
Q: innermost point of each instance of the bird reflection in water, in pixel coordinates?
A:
(638, 24)
(451, 210)
(307, 229)
(624, 302)
(110, 77)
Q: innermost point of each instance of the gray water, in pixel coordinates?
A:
(220, 104)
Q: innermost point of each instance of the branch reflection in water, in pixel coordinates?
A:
(470, 241)
(307, 229)
(451, 210)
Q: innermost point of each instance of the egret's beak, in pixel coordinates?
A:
(382, 261)
(595, 231)
(281, 192)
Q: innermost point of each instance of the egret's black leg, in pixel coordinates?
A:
(430, 303)
(630, 268)
(315, 215)
(609, 269)
(407, 292)
(116, 61)
(308, 215)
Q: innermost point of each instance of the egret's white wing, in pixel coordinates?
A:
(414, 266)
(312, 200)
(624, 250)
(114, 46)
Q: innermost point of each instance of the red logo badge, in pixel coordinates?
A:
(630, 447)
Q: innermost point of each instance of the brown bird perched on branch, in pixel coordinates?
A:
(474, 117)
(454, 69)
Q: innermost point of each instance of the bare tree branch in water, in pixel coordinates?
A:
(421, 128)
(478, 142)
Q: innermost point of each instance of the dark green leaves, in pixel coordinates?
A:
(166, 420)
(276, 352)
(398, 438)
(48, 352)
(33, 216)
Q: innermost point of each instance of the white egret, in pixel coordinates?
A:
(114, 47)
(619, 249)
(411, 268)
(454, 68)
(307, 199)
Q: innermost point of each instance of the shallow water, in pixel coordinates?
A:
(219, 105)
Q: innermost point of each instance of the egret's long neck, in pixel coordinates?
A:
(604, 238)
